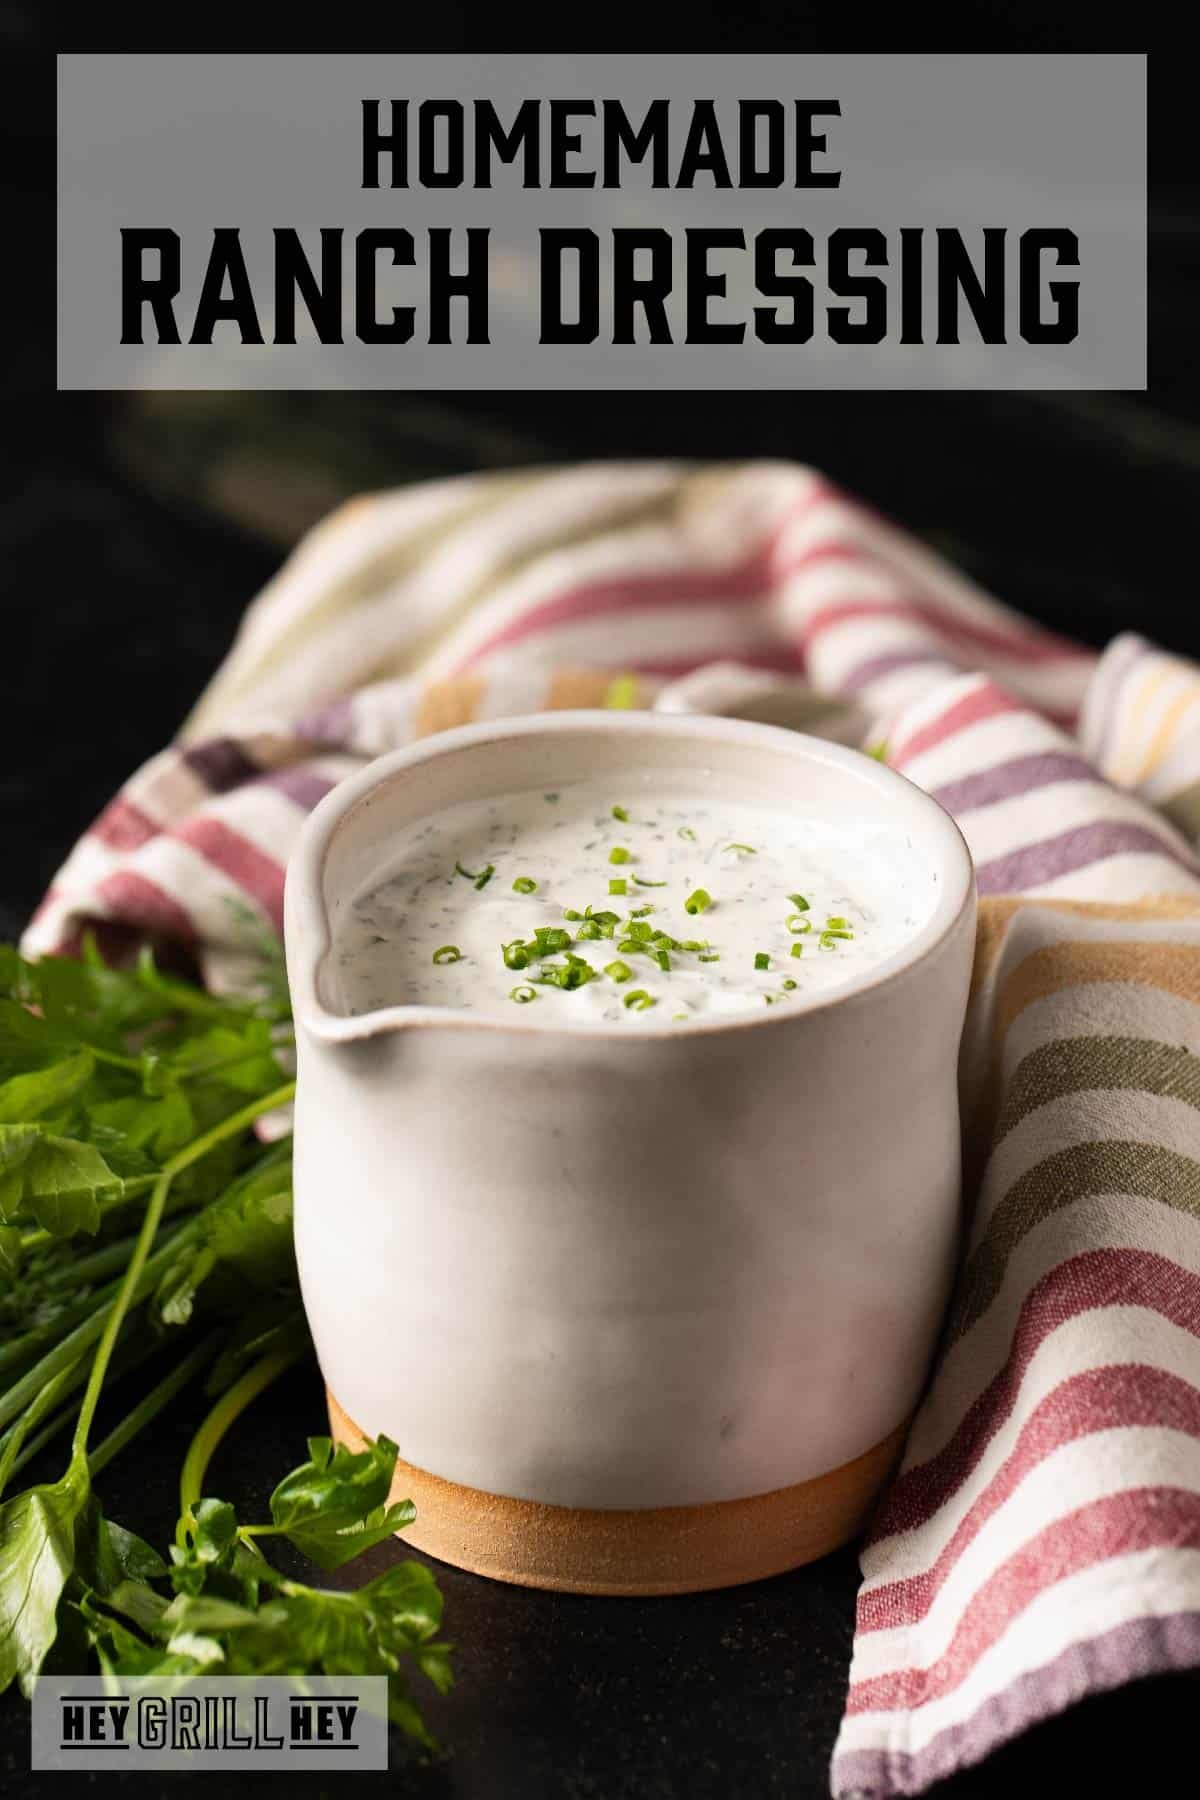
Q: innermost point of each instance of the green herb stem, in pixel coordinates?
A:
(42, 1403)
(151, 1404)
(237, 1122)
(32, 1342)
(132, 1063)
(205, 1071)
(233, 1402)
(16, 1398)
(129, 1356)
(89, 1268)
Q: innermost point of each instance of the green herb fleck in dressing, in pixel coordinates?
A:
(451, 911)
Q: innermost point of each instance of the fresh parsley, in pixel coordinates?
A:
(145, 1233)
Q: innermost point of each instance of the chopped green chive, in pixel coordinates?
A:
(743, 849)
(837, 924)
(697, 902)
(618, 885)
(618, 812)
(677, 1016)
(522, 994)
(829, 939)
(639, 999)
(640, 930)
(620, 971)
(762, 960)
(618, 854)
(693, 944)
(642, 882)
(663, 959)
(797, 924)
(448, 953)
(685, 831)
(569, 912)
(799, 902)
(589, 929)
(713, 956)
(640, 912)
(485, 875)
(789, 984)
(797, 949)
(516, 956)
(572, 973)
(548, 939)
(524, 885)
(552, 798)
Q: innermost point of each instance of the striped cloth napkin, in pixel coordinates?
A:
(1042, 1538)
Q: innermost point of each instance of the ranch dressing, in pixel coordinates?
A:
(699, 902)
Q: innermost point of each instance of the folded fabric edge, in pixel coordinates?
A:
(1135, 1649)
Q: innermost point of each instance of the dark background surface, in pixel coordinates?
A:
(133, 531)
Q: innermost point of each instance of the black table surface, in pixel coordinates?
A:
(132, 533)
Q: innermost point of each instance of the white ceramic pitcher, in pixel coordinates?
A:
(644, 1312)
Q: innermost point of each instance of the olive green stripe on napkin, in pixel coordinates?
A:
(631, 512)
(1183, 810)
(1074, 1065)
(366, 580)
(1109, 1166)
(1072, 962)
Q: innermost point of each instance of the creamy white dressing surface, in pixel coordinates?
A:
(430, 929)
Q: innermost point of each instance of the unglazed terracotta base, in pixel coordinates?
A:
(656, 1550)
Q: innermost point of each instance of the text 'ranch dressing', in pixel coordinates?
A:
(664, 903)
